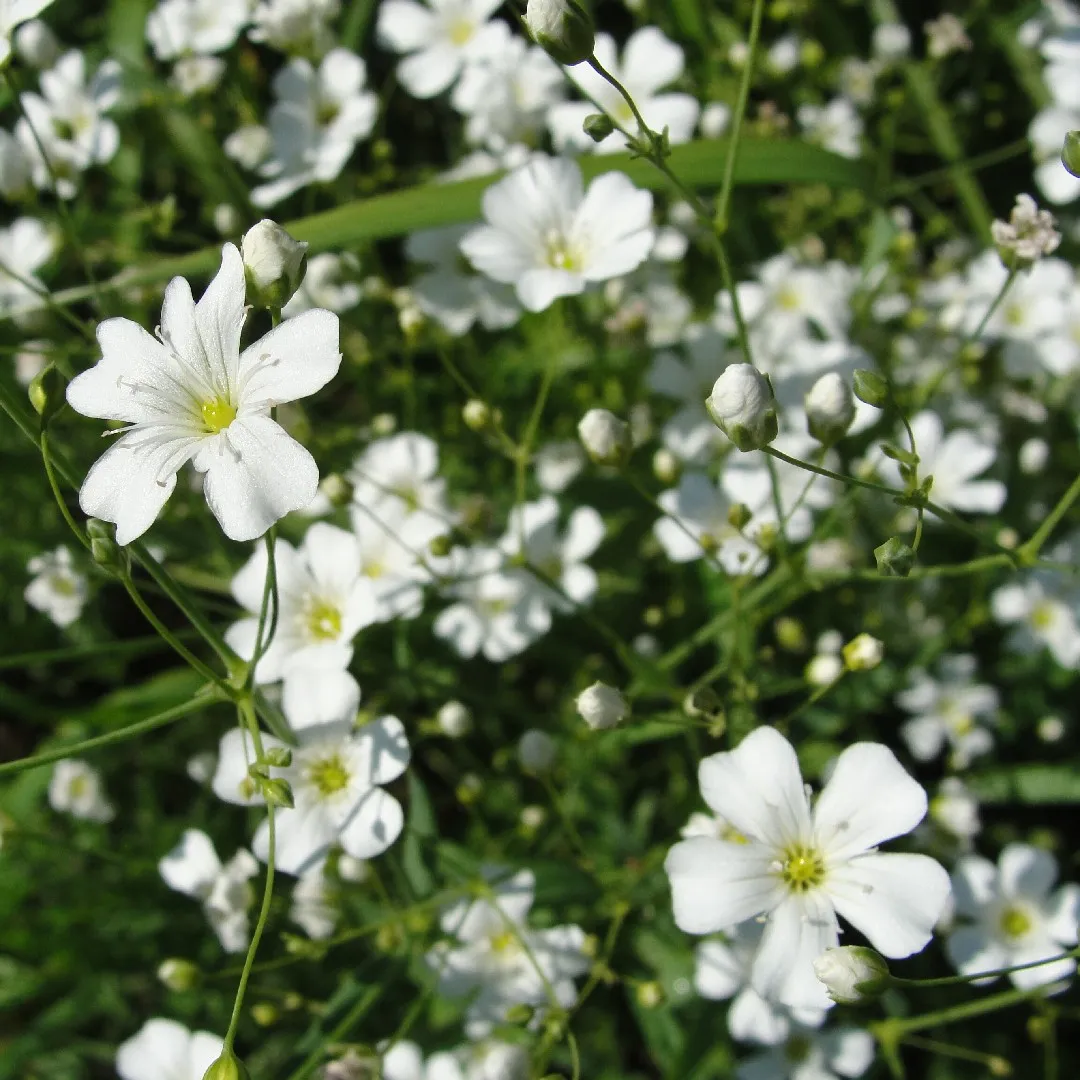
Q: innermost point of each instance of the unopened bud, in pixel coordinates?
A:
(742, 405)
(605, 437)
(665, 466)
(1070, 153)
(337, 489)
(562, 28)
(536, 751)
(739, 516)
(227, 1067)
(476, 414)
(280, 757)
(454, 719)
(104, 549)
(440, 546)
(852, 974)
(36, 44)
(46, 392)
(265, 1014)
(277, 793)
(274, 264)
(894, 558)
(520, 1014)
(862, 653)
(601, 706)
(704, 701)
(178, 975)
(871, 388)
(830, 409)
(649, 994)
(598, 126)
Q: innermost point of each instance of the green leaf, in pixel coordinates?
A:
(421, 812)
(1030, 784)
(699, 164)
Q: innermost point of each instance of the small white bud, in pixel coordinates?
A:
(891, 41)
(830, 408)
(532, 817)
(476, 414)
(601, 706)
(665, 466)
(605, 437)
(454, 719)
(227, 219)
(743, 407)
(274, 263)
(824, 669)
(536, 751)
(36, 44)
(562, 28)
(1033, 456)
(1027, 236)
(863, 652)
(852, 974)
(178, 975)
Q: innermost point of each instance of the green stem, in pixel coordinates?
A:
(1042, 534)
(208, 696)
(359, 1010)
(958, 980)
(897, 1028)
(269, 597)
(50, 474)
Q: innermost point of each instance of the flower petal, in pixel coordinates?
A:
(798, 931)
(303, 838)
(383, 751)
(295, 359)
(191, 867)
(1026, 871)
(374, 826)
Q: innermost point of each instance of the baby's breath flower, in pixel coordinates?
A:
(1027, 236)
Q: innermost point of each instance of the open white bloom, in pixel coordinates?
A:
(318, 118)
(837, 126)
(177, 28)
(165, 1050)
(723, 970)
(57, 589)
(299, 27)
(392, 559)
(558, 464)
(12, 13)
(548, 237)
(324, 601)
(1028, 235)
(189, 394)
(67, 121)
(954, 461)
(249, 145)
(313, 908)
(499, 958)
(25, 246)
(436, 39)
(947, 711)
(1044, 614)
(194, 869)
(649, 62)
(812, 1055)
(801, 867)
(75, 788)
(944, 35)
(488, 1059)
(336, 777)
(606, 438)
(1007, 915)
(955, 810)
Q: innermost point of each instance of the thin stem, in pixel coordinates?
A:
(1042, 534)
(208, 696)
(893, 1030)
(957, 980)
(349, 1020)
(80, 533)
(269, 597)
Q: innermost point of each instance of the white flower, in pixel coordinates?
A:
(801, 867)
(165, 1050)
(946, 710)
(563, 27)
(743, 407)
(196, 74)
(36, 44)
(1007, 915)
(606, 438)
(436, 39)
(649, 62)
(194, 869)
(454, 719)
(1028, 235)
(249, 145)
(498, 956)
(273, 262)
(177, 28)
(394, 568)
(318, 118)
(956, 810)
(336, 778)
(75, 788)
(891, 41)
(953, 460)
(851, 974)
(25, 246)
(723, 970)
(326, 284)
(67, 121)
(548, 237)
(487, 1059)
(495, 612)
(601, 706)
(300, 27)
(863, 652)
(313, 907)
(324, 601)
(558, 464)
(57, 589)
(945, 35)
(812, 1055)
(1043, 613)
(191, 395)
(836, 126)
(830, 408)
(12, 13)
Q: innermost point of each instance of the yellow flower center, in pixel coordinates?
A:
(1015, 923)
(732, 835)
(460, 31)
(62, 586)
(560, 254)
(329, 775)
(1014, 314)
(323, 621)
(960, 721)
(374, 570)
(503, 942)
(217, 414)
(788, 299)
(802, 868)
(78, 787)
(1042, 615)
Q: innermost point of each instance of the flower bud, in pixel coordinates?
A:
(36, 44)
(227, 1067)
(337, 489)
(649, 994)
(104, 549)
(830, 409)
(743, 407)
(476, 414)
(454, 719)
(601, 706)
(274, 264)
(894, 558)
(703, 702)
(1028, 235)
(1070, 153)
(598, 126)
(665, 466)
(852, 974)
(871, 388)
(280, 757)
(46, 392)
(536, 751)
(562, 28)
(862, 653)
(277, 793)
(178, 975)
(605, 437)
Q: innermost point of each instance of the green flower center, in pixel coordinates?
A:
(1015, 923)
(1042, 615)
(323, 621)
(561, 255)
(62, 586)
(217, 414)
(803, 868)
(329, 775)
